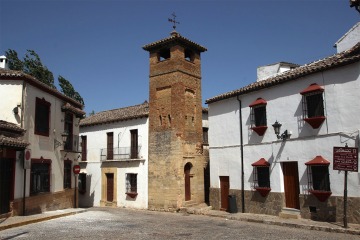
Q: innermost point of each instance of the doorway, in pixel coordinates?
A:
(109, 187)
(6, 184)
(291, 184)
(224, 192)
(187, 172)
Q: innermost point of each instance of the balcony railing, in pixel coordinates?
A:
(120, 153)
(72, 143)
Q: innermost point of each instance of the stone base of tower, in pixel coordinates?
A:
(173, 185)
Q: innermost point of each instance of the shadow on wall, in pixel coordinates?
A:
(304, 185)
(86, 199)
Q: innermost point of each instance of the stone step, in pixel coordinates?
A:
(290, 213)
(196, 209)
(190, 203)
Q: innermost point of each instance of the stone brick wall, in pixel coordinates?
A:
(332, 210)
(254, 202)
(44, 202)
(175, 129)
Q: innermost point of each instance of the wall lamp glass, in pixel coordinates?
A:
(285, 135)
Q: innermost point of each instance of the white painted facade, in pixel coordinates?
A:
(349, 39)
(341, 85)
(96, 141)
(284, 104)
(19, 93)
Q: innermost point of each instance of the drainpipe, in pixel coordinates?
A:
(242, 158)
(22, 126)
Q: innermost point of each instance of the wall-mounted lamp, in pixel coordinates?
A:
(64, 137)
(16, 110)
(285, 135)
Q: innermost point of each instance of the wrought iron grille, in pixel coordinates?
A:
(313, 105)
(120, 153)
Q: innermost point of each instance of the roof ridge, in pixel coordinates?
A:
(346, 57)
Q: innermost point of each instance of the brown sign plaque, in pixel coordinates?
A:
(345, 159)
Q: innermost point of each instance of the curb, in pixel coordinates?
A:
(40, 219)
(291, 225)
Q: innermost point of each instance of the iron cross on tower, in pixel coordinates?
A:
(173, 20)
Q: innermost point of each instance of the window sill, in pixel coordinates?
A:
(264, 191)
(132, 194)
(259, 130)
(315, 122)
(322, 196)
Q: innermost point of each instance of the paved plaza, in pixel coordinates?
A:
(119, 223)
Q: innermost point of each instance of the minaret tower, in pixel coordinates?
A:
(176, 162)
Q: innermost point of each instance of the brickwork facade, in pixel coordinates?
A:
(175, 125)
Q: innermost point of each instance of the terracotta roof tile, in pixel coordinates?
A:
(11, 127)
(6, 74)
(11, 135)
(78, 112)
(16, 142)
(175, 37)
(344, 58)
(115, 115)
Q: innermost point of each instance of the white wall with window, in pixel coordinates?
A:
(120, 145)
(318, 110)
(38, 109)
(285, 105)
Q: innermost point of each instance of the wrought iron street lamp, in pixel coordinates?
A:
(285, 135)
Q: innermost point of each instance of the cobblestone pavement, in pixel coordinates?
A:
(118, 223)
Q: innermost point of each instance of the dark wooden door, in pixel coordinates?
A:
(83, 148)
(134, 144)
(224, 189)
(187, 183)
(6, 184)
(109, 187)
(291, 185)
(110, 146)
(68, 127)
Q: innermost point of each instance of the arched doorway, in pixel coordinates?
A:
(187, 172)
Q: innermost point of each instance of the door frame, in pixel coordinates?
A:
(291, 184)
(224, 192)
(187, 180)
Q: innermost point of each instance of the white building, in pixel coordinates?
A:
(35, 116)
(115, 158)
(291, 173)
(114, 166)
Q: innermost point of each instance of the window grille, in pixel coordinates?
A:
(261, 177)
(131, 183)
(313, 105)
(40, 178)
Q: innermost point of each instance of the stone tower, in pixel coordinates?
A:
(176, 161)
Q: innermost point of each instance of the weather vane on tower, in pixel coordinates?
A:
(173, 20)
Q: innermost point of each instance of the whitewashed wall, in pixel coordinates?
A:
(40, 146)
(11, 95)
(342, 126)
(97, 139)
(349, 39)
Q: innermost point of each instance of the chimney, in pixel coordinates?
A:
(272, 70)
(3, 62)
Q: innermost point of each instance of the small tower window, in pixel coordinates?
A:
(164, 54)
(189, 55)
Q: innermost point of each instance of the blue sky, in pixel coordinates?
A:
(97, 44)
